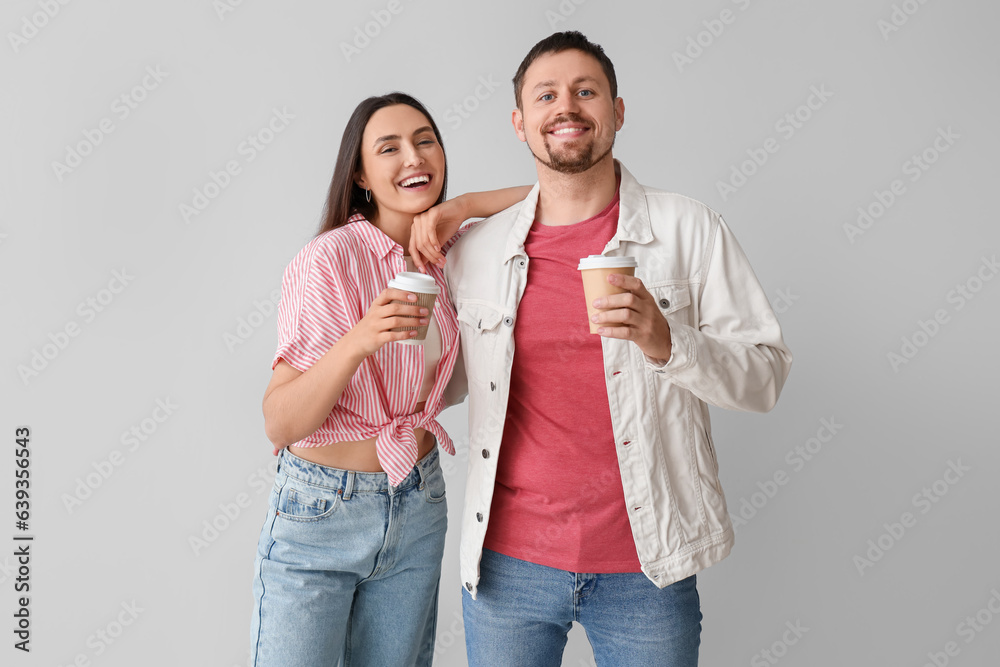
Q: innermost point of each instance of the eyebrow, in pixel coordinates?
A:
(396, 137)
(551, 82)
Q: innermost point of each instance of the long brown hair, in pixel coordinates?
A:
(346, 198)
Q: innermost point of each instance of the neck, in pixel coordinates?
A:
(396, 226)
(565, 199)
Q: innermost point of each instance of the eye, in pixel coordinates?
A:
(426, 142)
(586, 93)
(387, 149)
(547, 97)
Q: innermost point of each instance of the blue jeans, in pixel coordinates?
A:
(523, 611)
(347, 567)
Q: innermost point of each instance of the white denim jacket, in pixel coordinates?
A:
(727, 351)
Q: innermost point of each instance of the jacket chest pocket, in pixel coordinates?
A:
(674, 300)
(481, 326)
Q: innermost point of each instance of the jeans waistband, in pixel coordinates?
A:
(351, 481)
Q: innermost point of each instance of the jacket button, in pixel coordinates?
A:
(468, 586)
(486, 453)
(479, 517)
(508, 321)
(493, 386)
(664, 303)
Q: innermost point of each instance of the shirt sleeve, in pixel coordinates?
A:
(313, 313)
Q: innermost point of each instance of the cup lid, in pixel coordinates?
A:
(411, 281)
(606, 262)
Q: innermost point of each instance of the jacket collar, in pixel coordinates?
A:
(633, 216)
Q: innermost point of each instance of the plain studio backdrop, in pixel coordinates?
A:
(164, 161)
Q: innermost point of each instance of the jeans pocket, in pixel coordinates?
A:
(308, 504)
(434, 486)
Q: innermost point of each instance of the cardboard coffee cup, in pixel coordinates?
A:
(426, 291)
(595, 271)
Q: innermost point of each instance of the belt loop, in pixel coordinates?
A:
(349, 486)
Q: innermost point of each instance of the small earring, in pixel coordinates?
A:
(368, 195)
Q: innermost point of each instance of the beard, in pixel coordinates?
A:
(572, 160)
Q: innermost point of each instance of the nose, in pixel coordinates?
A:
(568, 103)
(412, 157)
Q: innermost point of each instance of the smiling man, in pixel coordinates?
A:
(593, 492)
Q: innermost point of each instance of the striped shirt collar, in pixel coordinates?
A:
(373, 237)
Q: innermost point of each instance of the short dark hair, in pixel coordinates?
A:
(346, 197)
(563, 41)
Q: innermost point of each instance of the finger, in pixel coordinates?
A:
(390, 323)
(616, 316)
(623, 333)
(630, 283)
(393, 294)
(623, 300)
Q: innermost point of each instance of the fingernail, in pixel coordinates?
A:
(424, 311)
(593, 318)
(411, 297)
(424, 320)
(600, 330)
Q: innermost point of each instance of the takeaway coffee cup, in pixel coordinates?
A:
(426, 291)
(595, 271)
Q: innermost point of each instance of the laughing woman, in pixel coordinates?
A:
(349, 557)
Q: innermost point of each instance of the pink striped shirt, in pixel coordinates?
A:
(327, 289)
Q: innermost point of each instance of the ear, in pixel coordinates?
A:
(361, 182)
(517, 120)
(619, 113)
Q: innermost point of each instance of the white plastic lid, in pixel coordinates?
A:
(606, 262)
(414, 282)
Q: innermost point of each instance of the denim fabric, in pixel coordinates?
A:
(347, 567)
(523, 612)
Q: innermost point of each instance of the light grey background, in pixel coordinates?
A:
(191, 326)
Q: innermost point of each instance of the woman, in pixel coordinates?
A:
(349, 557)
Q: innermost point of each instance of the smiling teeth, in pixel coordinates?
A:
(567, 130)
(415, 180)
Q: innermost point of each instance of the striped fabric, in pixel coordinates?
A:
(327, 289)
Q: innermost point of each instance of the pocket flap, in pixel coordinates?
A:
(479, 316)
(670, 298)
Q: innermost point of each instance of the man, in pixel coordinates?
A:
(593, 491)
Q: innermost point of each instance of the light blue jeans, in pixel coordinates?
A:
(522, 613)
(347, 567)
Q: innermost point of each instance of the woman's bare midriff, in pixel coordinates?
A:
(358, 455)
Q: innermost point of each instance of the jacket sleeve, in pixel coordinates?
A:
(735, 358)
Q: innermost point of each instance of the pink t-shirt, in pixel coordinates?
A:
(327, 289)
(558, 499)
